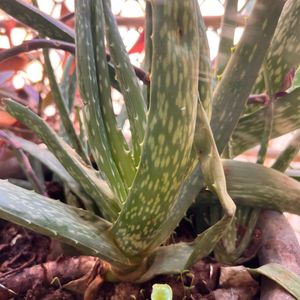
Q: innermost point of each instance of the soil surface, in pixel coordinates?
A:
(32, 267)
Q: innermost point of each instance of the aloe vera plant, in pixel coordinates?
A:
(180, 125)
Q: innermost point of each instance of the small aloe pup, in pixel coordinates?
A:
(138, 193)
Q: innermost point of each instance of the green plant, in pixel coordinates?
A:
(180, 125)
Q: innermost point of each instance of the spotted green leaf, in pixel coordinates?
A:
(288, 154)
(132, 92)
(68, 83)
(282, 276)
(33, 17)
(249, 130)
(283, 57)
(226, 35)
(93, 185)
(205, 72)
(93, 110)
(276, 190)
(120, 152)
(231, 93)
(68, 224)
(63, 109)
(170, 126)
(47, 158)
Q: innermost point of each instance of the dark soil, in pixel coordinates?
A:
(23, 252)
(20, 248)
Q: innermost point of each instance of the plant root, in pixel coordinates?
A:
(62, 271)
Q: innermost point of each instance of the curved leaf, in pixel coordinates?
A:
(273, 189)
(284, 53)
(70, 225)
(36, 19)
(250, 128)
(94, 186)
(282, 276)
(47, 158)
(231, 93)
(98, 134)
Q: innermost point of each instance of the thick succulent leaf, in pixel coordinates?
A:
(249, 130)
(288, 154)
(210, 161)
(170, 128)
(36, 19)
(284, 53)
(119, 148)
(226, 35)
(273, 189)
(132, 92)
(148, 42)
(282, 276)
(170, 259)
(148, 30)
(232, 91)
(68, 83)
(63, 109)
(186, 196)
(70, 225)
(95, 187)
(206, 242)
(230, 250)
(89, 91)
(205, 72)
(48, 159)
(176, 258)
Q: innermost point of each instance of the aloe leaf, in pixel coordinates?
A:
(282, 276)
(70, 225)
(148, 30)
(233, 255)
(68, 83)
(283, 55)
(269, 112)
(206, 242)
(148, 42)
(130, 88)
(95, 187)
(214, 177)
(273, 189)
(227, 251)
(250, 128)
(36, 19)
(48, 159)
(170, 127)
(241, 179)
(210, 161)
(63, 109)
(205, 72)
(176, 258)
(189, 189)
(24, 163)
(167, 260)
(119, 148)
(231, 93)
(227, 35)
(89, 90)
(288, 154)
(186, 196)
